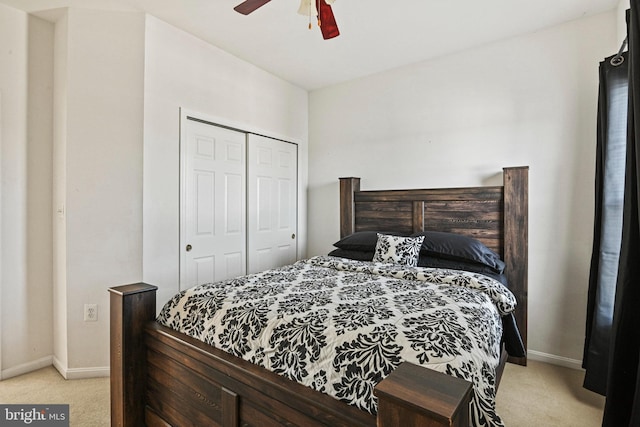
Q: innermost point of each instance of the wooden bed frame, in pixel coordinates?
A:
(160, 377)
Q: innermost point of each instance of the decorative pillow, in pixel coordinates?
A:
(398, 249)
(361, 241)
(349, 254)
(460, 248)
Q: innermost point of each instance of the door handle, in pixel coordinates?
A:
(189, 247)
(293, 236)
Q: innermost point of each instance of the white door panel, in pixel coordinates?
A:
(272, 200)
(213, 203)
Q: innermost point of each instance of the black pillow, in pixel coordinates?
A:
(473, 267)
(458, 247)
(361, 241)
(350, 254)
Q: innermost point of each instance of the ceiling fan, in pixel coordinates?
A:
(319, 8)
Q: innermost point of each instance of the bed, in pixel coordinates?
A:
(160, 376)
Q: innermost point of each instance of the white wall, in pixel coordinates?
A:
(457, 121)
(59, 143)
(182, 71)
(25, 193)
(73, 127)
(98, 169)
(623, 5)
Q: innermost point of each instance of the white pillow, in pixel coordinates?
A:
(398, 250)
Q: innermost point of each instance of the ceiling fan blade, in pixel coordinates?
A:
(248, 6)
(328, 24)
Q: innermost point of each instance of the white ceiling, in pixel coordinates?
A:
(376, 35)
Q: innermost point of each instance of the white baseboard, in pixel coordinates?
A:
(554, 360)
(69, 374)
(25, 368)
(80, 373)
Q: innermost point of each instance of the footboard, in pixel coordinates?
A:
(160, 377)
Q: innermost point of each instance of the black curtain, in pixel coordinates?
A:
(607, 234)
(622, 407)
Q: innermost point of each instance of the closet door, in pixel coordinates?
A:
(272, 203)
(213, 203)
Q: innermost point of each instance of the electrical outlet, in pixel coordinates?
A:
(90, 312)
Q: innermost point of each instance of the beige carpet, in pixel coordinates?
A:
(547, 395)
(88, 399)
(539, 395)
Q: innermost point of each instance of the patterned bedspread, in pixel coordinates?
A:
(341, 326)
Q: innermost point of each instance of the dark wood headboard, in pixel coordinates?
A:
(495, 215)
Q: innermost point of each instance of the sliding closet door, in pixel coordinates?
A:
(213, 203)
(272, 203)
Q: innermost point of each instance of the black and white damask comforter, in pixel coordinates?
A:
(341, 326)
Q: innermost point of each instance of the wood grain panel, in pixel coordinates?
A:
(187, 392)
(230, 403)
(152, 419)
(348, 187)
(131, 307)
(370, 208)
(173, 408)
(430, 194)
(516, 253)
(274, 416)
(253, 383)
